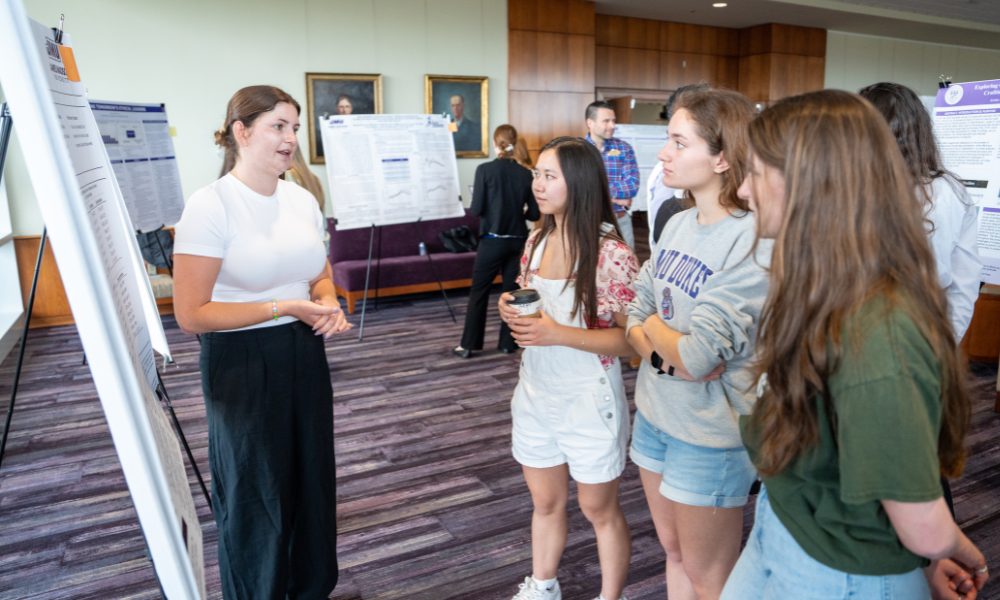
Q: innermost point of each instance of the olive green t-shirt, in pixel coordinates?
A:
(887, 400)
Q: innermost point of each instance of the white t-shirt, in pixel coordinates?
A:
(271, 246)
(956, 251)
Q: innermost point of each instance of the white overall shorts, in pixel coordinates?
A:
(567, 408)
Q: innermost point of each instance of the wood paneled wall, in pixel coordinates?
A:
(661, 55)
(550, 68)
(560, 52)
(781, 60)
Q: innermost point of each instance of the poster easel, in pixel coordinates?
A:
(76, 197)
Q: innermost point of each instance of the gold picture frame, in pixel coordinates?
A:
(438, 92)
(324, 93)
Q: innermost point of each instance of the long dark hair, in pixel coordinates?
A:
(588, 207)
(246, 106)
(852, 230)
(914, 130)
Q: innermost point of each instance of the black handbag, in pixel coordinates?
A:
(459, 239)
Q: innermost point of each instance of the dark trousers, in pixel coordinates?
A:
(270, 446)
(494, 255)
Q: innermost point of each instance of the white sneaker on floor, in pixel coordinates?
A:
(530, 591)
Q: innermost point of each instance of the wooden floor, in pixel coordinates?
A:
(431, 503)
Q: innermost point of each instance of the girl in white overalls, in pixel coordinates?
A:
(570, 413)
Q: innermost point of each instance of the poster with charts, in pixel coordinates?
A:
(137, 139)
(388, 169)
(967, 126)
(646, 142)
(97, 254)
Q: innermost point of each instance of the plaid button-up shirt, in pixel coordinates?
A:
(623, 171)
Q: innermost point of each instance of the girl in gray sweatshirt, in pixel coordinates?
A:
(693, 320)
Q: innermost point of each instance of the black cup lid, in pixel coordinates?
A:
(525, 296)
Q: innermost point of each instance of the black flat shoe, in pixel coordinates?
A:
(462, 352)
(507, 351)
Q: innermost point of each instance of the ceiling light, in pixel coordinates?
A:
(720, 5)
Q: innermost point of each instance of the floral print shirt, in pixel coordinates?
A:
(617, 270)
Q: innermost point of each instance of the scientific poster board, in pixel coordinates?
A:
(137, 139)
(388, 169)
(646, 141)
(967, 126)
(93, 245)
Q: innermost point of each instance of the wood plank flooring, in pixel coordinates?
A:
(431, 503)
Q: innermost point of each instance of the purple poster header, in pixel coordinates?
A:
(969, 94)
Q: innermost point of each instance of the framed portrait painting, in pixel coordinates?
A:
(466, 99)
(338, 94)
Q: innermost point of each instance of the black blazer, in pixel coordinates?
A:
(499, 196)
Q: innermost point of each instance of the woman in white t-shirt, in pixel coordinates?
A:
(252, 277)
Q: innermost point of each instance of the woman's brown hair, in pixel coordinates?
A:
(852, 230)
(588, 207)
(910, 122)
(721, 117)
(511, 146)
(302, 176)
(246, 106)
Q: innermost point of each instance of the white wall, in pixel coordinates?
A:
(854, 61)
(193, 55)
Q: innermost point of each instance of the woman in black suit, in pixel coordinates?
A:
(503, 200)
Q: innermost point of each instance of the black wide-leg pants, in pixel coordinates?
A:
(270, 425)
(493, 255)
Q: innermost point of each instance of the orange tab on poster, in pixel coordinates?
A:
(69, 63)
(453, 127)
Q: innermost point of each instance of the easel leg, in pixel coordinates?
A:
(162, 391)
(364, 299)
(378, 266)
(434, 271)
(24, 340)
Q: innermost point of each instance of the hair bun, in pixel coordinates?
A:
(221, 138)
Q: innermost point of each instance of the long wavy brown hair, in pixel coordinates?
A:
(588, 206)
(914, 130)
(852, 230)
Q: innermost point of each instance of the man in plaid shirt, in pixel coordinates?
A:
(619, 160)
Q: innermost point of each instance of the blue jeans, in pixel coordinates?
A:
(773, 566)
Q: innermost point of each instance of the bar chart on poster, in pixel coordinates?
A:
(646, 141)
(137, 139)
(95, 247)
(389, 169)
(967, 126)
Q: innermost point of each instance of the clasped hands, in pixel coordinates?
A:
(324, 315)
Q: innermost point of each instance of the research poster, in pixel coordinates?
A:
(137, 139)
(147, 448)
(388, 169)
(646, 141)
(967, 125)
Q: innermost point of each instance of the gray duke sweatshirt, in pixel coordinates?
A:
(704, 284)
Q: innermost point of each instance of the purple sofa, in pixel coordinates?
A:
(403, 270)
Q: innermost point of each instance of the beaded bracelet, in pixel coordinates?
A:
(274, 309)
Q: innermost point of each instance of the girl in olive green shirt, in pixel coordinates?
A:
(861, 405)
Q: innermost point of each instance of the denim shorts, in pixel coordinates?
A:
(774, 567)
(693, 475)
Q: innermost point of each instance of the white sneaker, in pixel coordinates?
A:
(530, 591)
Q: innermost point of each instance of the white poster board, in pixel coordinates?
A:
(93, 245)
(646, 141)
(137, 139)
(967, 126)
(388, 169)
